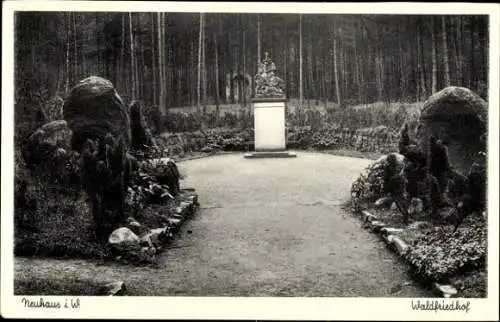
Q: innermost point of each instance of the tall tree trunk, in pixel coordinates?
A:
(473, 72)
(132, 58)
(68, 33)
(258, 40)
(217, 90)
(154, 66)
(402, 78)
(420, 65)
(75, 52)
(447, 80)
(161, 68)
(301, 85)
(455, 50)
(244, 94)
(434, 58)
(336, 72)
(198, 92)
(203, 68)
(122, 55)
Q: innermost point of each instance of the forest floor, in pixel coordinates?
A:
(267, 227)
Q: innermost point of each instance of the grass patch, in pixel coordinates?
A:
(56, 287)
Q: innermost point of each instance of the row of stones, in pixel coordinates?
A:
(155, 239)
(390, 236)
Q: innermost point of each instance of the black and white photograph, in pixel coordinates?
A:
(249, 152)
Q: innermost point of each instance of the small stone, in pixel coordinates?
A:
(123, 236)
(174, 222)
(189, 231)
(184, 204)
(391, 230)
(377, 225)
(388, 238)
(155, 237)
(446, 290)
(400, 245)
(207, 149)
(368, 216)
(383, 202)
(134, 224)
(113, 289)
(395, 289)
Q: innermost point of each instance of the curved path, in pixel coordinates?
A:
(275, 227)
(266, 227)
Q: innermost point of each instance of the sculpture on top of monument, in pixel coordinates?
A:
(267, 84)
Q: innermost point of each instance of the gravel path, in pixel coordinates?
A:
(266, 227)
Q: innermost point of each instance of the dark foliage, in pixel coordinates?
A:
(141, 137)
(104, 177)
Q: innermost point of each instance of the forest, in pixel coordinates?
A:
(168, 59)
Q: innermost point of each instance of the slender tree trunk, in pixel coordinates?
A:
(447, 80)
(75, 53)
(336, 72)
(203, 67)
(198, 92)
(132, 58)
(402, 78)
(244, 94)
(301, 85)
(122, 55)
(473, 72)
(217, 91)
(456, 54)
(154, 66)
(258, 40)
(421, 64)
(161, 83)
(68, 33)
(434, 58)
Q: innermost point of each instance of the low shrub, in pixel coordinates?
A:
(440, 254)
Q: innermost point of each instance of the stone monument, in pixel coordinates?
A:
(269, 113)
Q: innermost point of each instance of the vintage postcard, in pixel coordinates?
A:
(257, 161)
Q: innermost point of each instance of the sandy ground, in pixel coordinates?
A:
(266, 227)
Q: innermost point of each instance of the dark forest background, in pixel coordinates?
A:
(187, 59)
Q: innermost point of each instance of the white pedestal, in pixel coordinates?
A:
(269, 128)
(269, 118)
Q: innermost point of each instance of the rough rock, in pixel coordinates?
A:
(207, 149)
(113, 289)
(156, 237)
(383, 202)
(42, 144)
(458, 117)
(391, 231)
(165, 171)
(123, 237)
(445, 290)
(93, 109)
(400, 245)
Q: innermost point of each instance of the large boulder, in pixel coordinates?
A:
(93, 109)
(458, 117)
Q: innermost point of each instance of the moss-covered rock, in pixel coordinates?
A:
(93, 109)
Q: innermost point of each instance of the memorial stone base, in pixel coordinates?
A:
(270, 134)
